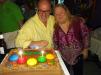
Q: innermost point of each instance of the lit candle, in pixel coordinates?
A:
(20, 53)
(42, 58)
(22, 59)
(42, 52)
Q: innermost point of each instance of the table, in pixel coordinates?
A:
(63, 66)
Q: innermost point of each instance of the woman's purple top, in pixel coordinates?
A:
(72, 43)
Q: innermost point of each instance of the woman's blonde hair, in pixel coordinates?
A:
(68, 14)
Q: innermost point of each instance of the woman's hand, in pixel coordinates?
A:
(85, 53)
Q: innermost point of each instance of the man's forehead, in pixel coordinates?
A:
(44, 7)
(44, 4)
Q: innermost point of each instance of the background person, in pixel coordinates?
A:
(11, 20)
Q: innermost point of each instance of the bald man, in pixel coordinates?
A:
(38, 30)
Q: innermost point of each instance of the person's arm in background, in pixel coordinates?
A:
(18, 14)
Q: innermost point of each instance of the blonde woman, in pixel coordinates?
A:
(71, 37)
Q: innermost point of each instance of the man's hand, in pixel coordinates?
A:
(41, 43)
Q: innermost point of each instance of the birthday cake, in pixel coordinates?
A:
(31, 62)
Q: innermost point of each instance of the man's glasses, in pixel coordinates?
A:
(44, 11)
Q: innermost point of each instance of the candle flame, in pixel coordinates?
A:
(20, 52)
(42, 52)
